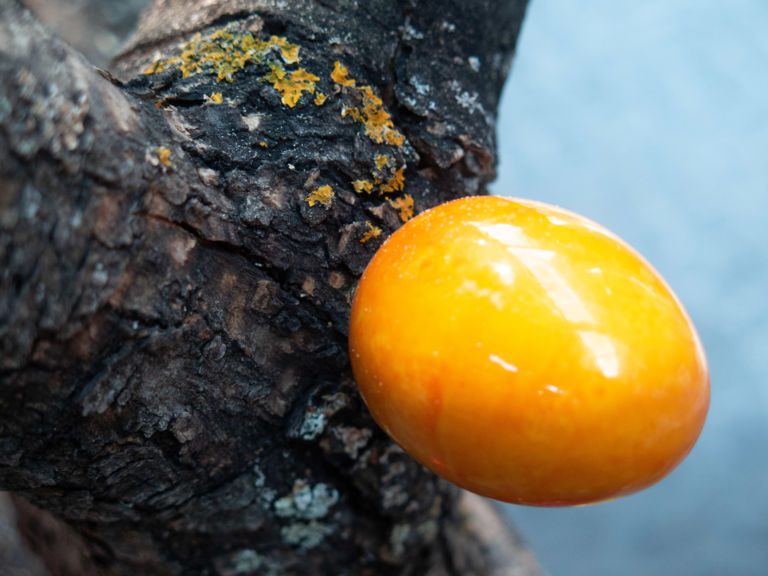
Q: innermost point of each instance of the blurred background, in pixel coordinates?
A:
(652, 119)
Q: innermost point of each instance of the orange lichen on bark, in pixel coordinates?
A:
(372, 232)
(376, 120)
(290, 85)
(160, 65)
(385, 178)
(164, 156)
(322, 195)
(225, 52)
(290, 52)
(404, 207)
(362, 186)
(339, 75)
(383, 160)
(217, 98)
(354, 112)
(394, 184)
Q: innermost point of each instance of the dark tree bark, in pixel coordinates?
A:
(176, 281)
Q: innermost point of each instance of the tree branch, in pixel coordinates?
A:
(173, 308)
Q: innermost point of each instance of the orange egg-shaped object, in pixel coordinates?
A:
(527, 354)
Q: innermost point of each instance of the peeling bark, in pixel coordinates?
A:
(174, 380)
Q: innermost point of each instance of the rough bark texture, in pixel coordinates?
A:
(174, 381)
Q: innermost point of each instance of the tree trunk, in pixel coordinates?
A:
(179, 251)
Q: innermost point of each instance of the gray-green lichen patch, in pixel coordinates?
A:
(305, 535)
(246, 561)
(267, 495)
(314, 421)
(241, 562)
(397, 539)
(312, 425)
(307, 502)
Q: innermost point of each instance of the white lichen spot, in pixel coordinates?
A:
(180, 248)
(422, 88)
(100, 277)
(465, 99)
(252, 121)
(474, 63)
(208, 176)
(410, 33)
(312, 425)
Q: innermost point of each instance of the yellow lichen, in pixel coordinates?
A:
(404, 206)
(164, 155)
(362, 186)
(263, 144)
(217, 98)
(155, 67)
(290, 85)
(322, 195)
(225, 52)
(339, 75)
(377, 121)
(301, 75)
(383, 160)
(372, 232)
(354, 112)
(289, 52)
(277, 73)
(394, 184)
(320, 99)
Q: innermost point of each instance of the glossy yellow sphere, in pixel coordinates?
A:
(527, 354)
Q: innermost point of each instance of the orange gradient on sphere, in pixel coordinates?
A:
(527, 354)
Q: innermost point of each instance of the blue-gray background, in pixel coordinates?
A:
(652, 119)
